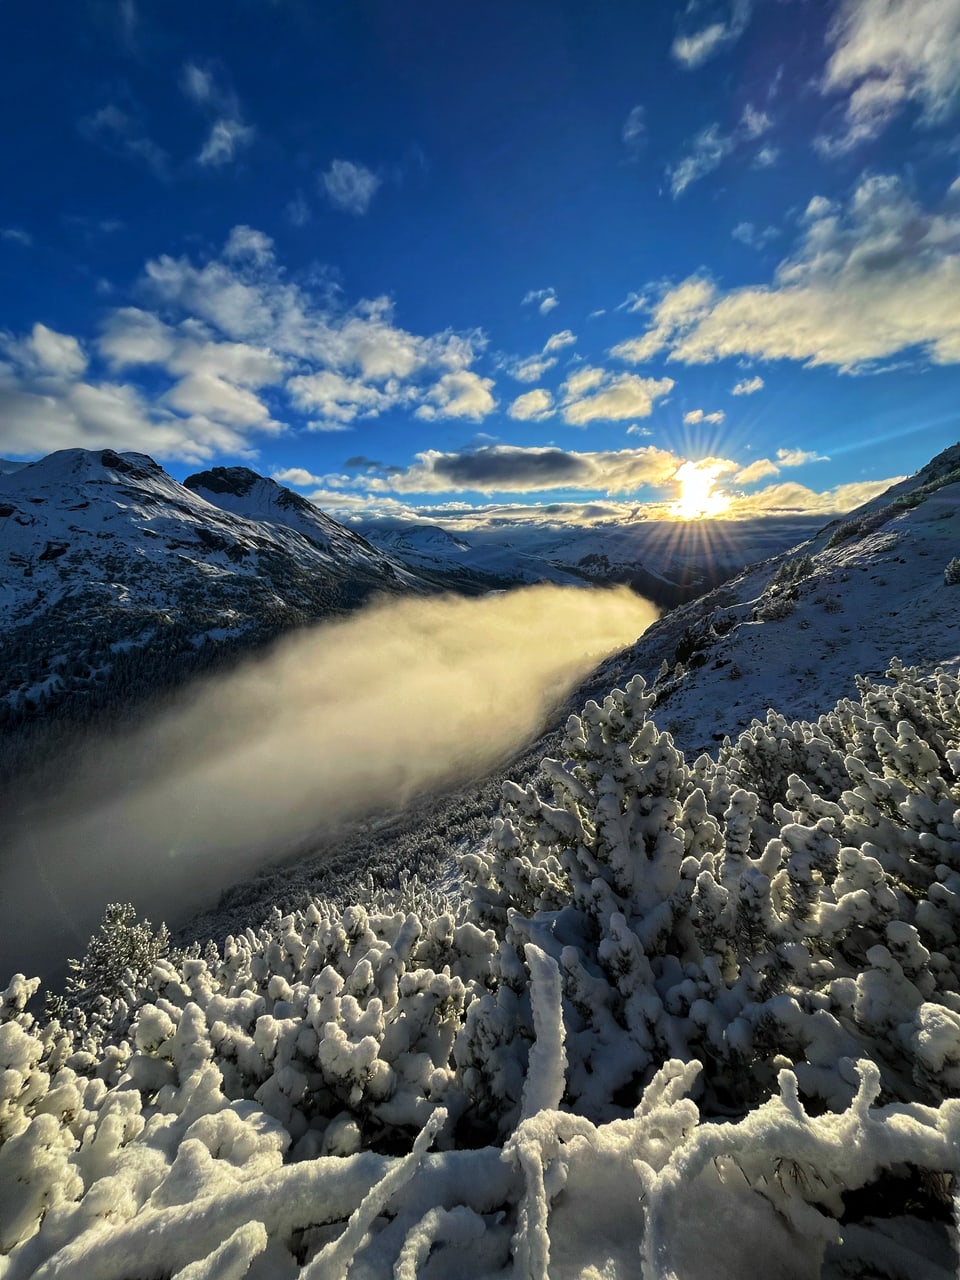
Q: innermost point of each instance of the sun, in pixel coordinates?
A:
(699, 499)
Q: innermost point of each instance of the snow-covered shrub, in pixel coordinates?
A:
(677, 993)
(793, 904)
(776, 606)
(951, 574)
(118, 958)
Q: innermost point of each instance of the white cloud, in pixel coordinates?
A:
(677, 309)
(593, 395)
(886, 53)
(754, 237)
(697, 415)
(788, 498)
(228, 132)
(530, 370)
(758, 470)
(340, 399)
(533, 406)
(693, 50)
(463, 394)
(634, 131)
(748, 386)
(546, 300)
(711, 147)
(799, 457)
(767, 155)
(13, 235)
(557, 341)
(639, 431)
(350, 186)
(863, 284)
(48, 352)
(245, 243)
(226, 138)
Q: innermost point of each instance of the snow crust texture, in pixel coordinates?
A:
(692, 1020)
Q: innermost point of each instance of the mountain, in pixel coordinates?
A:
(106, 560)
(793, 631)
(668, 562)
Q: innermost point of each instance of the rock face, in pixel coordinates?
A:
(115, 578)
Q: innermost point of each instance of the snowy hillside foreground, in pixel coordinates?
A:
(677, 997)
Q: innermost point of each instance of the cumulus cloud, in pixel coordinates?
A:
(693, 50)
(221, 334)
(789, 498)
(557, 341)
(350, 186)
(595, 395)
(762, 469)
(698, 415)
(342, 721)
(885, 55)
(711, 146)
(545, 299)
(533, 406)
(748, 386)
(463, 394)
(864, 283)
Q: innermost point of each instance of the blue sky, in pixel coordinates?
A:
(476, 261)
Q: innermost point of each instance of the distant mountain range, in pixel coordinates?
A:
(117, 581)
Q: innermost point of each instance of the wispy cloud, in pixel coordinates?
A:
(885, 55)
(545, 299)
(123, 134)
(634, 132)
(754, 237)
(695, 416)
(228, 132)
(693, 50)
(748, 386)
(350, 186)
(13, 235)
(711, 146)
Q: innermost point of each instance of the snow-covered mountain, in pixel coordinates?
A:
(669, 562)
(104, 557)
(793, 631)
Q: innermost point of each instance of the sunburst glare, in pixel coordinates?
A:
(699, 498)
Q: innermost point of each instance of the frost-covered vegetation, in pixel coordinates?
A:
(672, 995)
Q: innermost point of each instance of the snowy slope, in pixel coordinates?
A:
(104, 555)
(245, 493)
(873, 589)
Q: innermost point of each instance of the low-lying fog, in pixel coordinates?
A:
(349, 718)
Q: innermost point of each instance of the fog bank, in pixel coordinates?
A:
(347, 719)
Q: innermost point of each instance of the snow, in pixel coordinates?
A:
(693, 1018)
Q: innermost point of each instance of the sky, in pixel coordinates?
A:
(488, 261)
